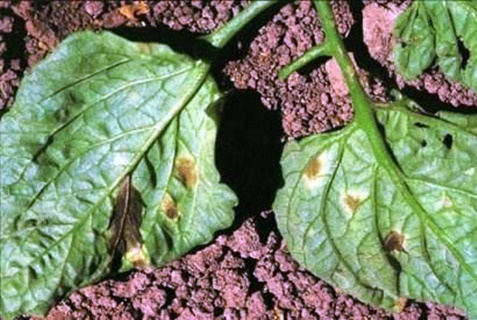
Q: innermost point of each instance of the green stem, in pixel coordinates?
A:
(359, 97)
(220, 37)
(363, 107)
(317, 51)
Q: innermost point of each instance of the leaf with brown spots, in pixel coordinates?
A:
(372, 209)
(378, 233)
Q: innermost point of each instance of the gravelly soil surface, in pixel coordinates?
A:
(245, 273)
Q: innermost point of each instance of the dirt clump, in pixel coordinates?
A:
(10, 60)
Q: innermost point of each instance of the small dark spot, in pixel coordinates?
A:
(313, 168)
(169, 207)
(30, 223)
(171, 212)
(448, 140)
(423, 143)
(394, 242)
(464, 53)
(186, 171)
(421, 125)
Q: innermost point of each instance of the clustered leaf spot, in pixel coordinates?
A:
(394, 241)
(169, 207)
(186, 171)
(314, 170)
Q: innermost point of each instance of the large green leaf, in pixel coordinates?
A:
(442, 29)
(100, 161)
(389, 222)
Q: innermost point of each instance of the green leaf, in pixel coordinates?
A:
(446, 30)
(101, 129)
(391, 223)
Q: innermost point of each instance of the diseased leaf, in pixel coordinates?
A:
(385, 224)
(105, 126)
(386, 207)
(438, 29)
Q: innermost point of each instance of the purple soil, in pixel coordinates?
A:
(247, 274)
(10, 65)
(307, 102)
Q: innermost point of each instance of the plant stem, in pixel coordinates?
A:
(359, 97)
(363, 107)
(317, 51)
(220, 37)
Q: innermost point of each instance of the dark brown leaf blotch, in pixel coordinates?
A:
(169, 207)
(126, 220)
(394, 241)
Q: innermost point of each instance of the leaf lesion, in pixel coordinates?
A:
(125, 237)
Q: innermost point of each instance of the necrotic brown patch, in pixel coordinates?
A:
(352, 202)
(169, 207)
(394, 241)
(313, 169)
(186, 171)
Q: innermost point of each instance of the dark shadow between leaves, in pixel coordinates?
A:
(248, 153)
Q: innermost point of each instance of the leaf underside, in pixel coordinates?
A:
(104, 126)
(349, 219)
(438, 29)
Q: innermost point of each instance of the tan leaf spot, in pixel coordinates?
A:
(186, 171)
(169, 207)
(313, 168)
(352, 202)
(394, 242)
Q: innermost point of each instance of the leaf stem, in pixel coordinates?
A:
(317, 51)
(363, 107)
(220, 37)
(361, 102)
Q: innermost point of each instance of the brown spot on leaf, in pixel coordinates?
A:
(313, 169)
(186, 171)
(352, 202)
(169, 207)
(394, 241)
